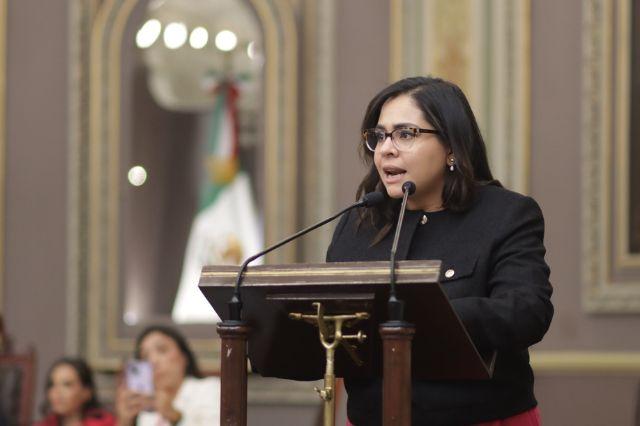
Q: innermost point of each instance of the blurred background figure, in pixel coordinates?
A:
(71, 397)
(179, 392)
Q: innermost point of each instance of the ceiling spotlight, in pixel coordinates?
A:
(251, 50)
(137, 176)
(226, 40)
(175, 35)
(148, 33)
(130, 318)
(199, 38)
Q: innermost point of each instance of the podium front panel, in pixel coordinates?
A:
(285, 348)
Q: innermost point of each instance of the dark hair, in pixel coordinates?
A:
(192, 366)
(85, 374)
(446, 108)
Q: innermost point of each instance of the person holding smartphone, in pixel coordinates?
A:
(165, 387)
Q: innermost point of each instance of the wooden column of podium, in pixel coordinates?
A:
(396, 372)
(233, 372)
(280, 347)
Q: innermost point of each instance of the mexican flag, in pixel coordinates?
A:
(226, 229)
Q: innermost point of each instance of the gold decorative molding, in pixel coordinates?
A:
(3, 139)
(485, 48)
(405, 273)
(608, 269)
(281, 97)
(606, 362)
(510, 101)
(623, 112)
(96, 336)
(451, 28)
(318, 141)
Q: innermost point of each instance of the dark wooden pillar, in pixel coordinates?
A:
(233, 373)
(396, 358)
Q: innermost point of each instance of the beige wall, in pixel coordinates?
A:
(36, 176)
(362, 55)
(37, 165)
(555, 142)
(598, 396)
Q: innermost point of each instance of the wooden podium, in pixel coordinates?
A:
(275, 299)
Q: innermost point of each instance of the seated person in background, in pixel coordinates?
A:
(180, 394)
(71, 396)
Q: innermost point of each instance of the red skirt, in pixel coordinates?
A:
(527, 418)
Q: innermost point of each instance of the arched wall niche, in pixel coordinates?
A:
(97, 176)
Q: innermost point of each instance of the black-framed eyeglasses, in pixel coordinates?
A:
(402, 138)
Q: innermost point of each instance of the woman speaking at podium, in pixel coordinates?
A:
(490, 241)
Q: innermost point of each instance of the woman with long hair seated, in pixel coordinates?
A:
(179, 394)
(71, 396)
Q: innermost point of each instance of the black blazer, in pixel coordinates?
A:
(498, 284)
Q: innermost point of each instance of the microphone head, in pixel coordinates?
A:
(371, 199)
(409, 187)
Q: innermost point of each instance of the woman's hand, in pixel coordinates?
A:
(129, 404)
(164, 406)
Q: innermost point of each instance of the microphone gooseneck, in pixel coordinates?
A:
(395, 306)
(235, 304)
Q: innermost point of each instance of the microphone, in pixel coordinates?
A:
(235, 305)
(395, 306)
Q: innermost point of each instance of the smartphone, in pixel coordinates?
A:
(139, 376)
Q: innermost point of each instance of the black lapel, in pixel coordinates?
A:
(411, 219)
